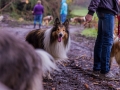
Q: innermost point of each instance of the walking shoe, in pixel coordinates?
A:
(108, 75)
(96, 73)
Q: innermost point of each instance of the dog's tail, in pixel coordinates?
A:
(48, 63)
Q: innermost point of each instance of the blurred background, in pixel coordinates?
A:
(23, 8)
(21, 11)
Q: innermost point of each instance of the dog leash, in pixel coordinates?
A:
(118, 16)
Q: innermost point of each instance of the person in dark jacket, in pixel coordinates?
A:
(38, 13)
(106, 10)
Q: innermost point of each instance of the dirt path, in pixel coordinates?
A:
(74, 74)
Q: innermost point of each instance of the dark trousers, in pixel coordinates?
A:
(103, 43)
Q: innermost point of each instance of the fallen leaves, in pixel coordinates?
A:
(86, 86)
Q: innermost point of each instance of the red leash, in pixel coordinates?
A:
(118, 16)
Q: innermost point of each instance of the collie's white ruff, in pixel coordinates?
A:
(47, 62)
(57, 48)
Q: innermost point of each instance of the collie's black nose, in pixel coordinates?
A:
(60, 35)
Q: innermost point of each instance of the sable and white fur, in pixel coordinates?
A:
(56, 40)
(21, 66)
(56, 49)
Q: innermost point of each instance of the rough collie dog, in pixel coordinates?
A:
(21, 67)
(115, 51)
(79, 20)
(55, 41)
(47, 20)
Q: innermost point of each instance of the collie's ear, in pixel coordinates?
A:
(66, 23)
(56, 22)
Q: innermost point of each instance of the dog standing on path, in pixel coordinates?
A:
(79, 20)
(47, 20)
(56, 40)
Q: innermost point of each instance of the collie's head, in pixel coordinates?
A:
(60, 32)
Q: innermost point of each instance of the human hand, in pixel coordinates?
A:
(88, 18)
(119, 2)
(32, 12)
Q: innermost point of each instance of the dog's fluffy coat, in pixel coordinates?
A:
(21, 67)
(115, 51)
(55, 41)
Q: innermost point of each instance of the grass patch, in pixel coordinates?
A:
(89, 32)
(79, 12)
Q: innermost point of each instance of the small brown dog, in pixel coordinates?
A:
(115, 51)
(47, 20)
(80, 20)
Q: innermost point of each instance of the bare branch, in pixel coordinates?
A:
(6, 5)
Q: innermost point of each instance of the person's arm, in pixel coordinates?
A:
(118, 2)
(34, 10)
(91, 10)
(93, 6)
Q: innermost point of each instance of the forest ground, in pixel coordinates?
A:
(75, 73)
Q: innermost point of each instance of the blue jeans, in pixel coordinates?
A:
(103, 43)
(63, 17)
(38, 18)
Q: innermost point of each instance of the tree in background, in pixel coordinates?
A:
(24, 7)
(52, 7)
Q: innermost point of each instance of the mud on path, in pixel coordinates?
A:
(75, 73)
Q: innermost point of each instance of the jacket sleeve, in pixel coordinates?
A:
(93, 6)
